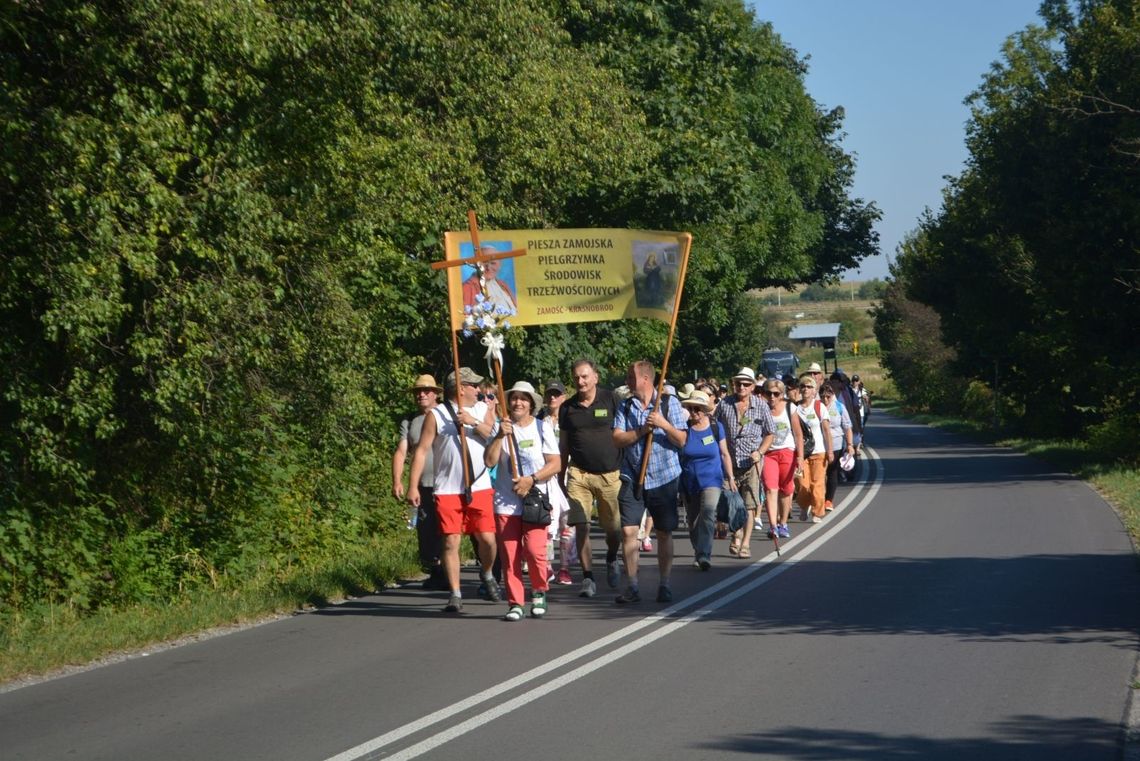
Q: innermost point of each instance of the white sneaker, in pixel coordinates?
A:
(589, 588)
(758, 525)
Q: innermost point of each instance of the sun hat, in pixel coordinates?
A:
(522, 387)
(814, 368)
(698, 399)
(426, 381)
(745, 373)
(466, 375)
(847, 462)
(686, 391)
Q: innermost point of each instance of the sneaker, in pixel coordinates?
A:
(629, 596)
(773, 533)
(782, 531)
(647, 545)
(454, 604)
(827, 506)
(758, 525)
(804, 515)
(613, 574)
(515, 613)
(491, 590)
(563, 578)
(703, 563)
(664, 594)
(816, 519)
(538, 605)
(589, 588)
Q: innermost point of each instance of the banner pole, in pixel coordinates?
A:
(687, 244)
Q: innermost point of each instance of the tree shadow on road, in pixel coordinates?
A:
(1020, 737)
(1041, 598)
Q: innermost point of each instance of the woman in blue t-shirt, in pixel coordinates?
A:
(706, 468)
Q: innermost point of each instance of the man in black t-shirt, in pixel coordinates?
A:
(590, 463)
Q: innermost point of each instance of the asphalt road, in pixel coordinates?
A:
(963, 602)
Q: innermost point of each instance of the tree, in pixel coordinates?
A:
(1032, 261)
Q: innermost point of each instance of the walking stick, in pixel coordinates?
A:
(458, 424)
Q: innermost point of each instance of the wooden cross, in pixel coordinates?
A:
(479, 259)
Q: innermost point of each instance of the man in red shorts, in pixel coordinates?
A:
(460, 511)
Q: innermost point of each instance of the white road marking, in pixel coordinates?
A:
(445, 736)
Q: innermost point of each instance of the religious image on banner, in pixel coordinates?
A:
(499, 275)
(655, 270)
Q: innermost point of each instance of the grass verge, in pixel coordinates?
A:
(52, 639)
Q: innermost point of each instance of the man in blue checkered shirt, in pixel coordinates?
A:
(634, 422)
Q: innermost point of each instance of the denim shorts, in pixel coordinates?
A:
(661, 502)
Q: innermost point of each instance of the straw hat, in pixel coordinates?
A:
(698, 399)
(686, 391)
(428, 382)
(745, 374)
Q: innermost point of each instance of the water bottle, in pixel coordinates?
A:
(414, 519)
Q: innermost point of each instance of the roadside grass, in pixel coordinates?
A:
(55, 639)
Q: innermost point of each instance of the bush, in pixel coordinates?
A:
(1117, 436)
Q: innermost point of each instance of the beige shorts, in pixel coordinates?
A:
(583, 489)
(748, 484)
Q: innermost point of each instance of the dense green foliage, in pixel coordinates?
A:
(1032, 263)
(216, 220)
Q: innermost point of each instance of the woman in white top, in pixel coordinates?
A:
(814, 419)
(839, 435)
(538, 462)
(783, 459)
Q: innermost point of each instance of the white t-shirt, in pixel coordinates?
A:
(816, 424)
(784, 439)
(448, 457)
(532, 458)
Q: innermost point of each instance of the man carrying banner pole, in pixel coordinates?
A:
(640, 422)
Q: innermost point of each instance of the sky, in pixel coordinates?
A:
(901, 69)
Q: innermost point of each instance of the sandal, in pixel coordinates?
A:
(515, 613)
(745, 552)
(538, 606)
(733, 549)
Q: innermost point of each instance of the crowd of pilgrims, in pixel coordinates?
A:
(639, 462)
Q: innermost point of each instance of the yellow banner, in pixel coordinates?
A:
(570, 275)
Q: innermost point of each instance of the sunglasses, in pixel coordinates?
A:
(746, 384)
(554, 393)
